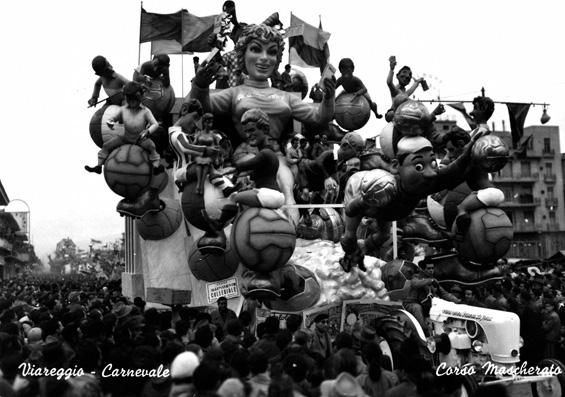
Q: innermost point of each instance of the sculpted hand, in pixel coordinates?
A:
(392, 61)
(92, 101)
(329, 88)
(206, 74)
(439, 110)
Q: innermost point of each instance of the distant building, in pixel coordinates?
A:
(532, 183)
(16, 253)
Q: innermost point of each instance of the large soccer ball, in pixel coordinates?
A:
(162, 224)
(128, 171)
(263, 239)
(304, 293)
(351, 113)
(99, 130)
(158, 99)
(410, 117)
(490, 153)
(488, 238)
(212, 267)
(333, 225)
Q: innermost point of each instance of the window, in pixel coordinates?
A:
(546, 145)
(529, 217)
(550, 192)
(525, 169)
(552, 218)
(548, 169)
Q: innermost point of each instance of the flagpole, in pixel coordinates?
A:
(181, 52)
(289, 41)
(502, 103)
(182, 71)
(139, 44)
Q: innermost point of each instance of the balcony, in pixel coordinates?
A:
(527, 227)
(549, 178)
(522, 202)
(552, 227)
(531, 178)
(548, 153)
(551, 202)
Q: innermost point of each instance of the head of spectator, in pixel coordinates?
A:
(182, 373)
(258, 362)
(293, 323)
(295, 366)
(206, 378)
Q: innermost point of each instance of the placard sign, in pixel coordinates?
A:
(228, 288)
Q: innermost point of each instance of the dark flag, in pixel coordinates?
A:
(309, 46)
(523, 147)
(160, 26)
(517, 113)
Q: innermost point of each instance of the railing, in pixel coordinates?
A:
(527, 227)
(522, 202)
(549, 178)
(533, 177)
(548, 153)
(551, 202)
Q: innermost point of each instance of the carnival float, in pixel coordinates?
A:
(215, 206)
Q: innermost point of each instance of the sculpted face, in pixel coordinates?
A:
(260, 59)
(134, 100)
(255, 135)
(404, 77)
(417, 170)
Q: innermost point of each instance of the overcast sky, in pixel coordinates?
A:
(512, 48)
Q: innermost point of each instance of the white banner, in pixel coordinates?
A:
(228, 288)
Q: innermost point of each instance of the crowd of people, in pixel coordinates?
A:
(78, 336)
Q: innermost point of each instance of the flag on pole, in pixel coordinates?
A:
(310, 48)
(160, 26)
(517, 113)
(177, 33)
(459, 106)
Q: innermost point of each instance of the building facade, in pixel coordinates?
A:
(532, 182)
(16, 252)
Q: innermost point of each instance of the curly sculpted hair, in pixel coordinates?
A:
(262, 33)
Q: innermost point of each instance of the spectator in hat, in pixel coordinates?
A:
(222, 315)
(345, 385)
(182, 372)
(321, 341)
(121, 311)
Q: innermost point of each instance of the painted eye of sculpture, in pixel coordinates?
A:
(434, 164)
(419, 167)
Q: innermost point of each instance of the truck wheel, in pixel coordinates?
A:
(554, 386)
(396, 329)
